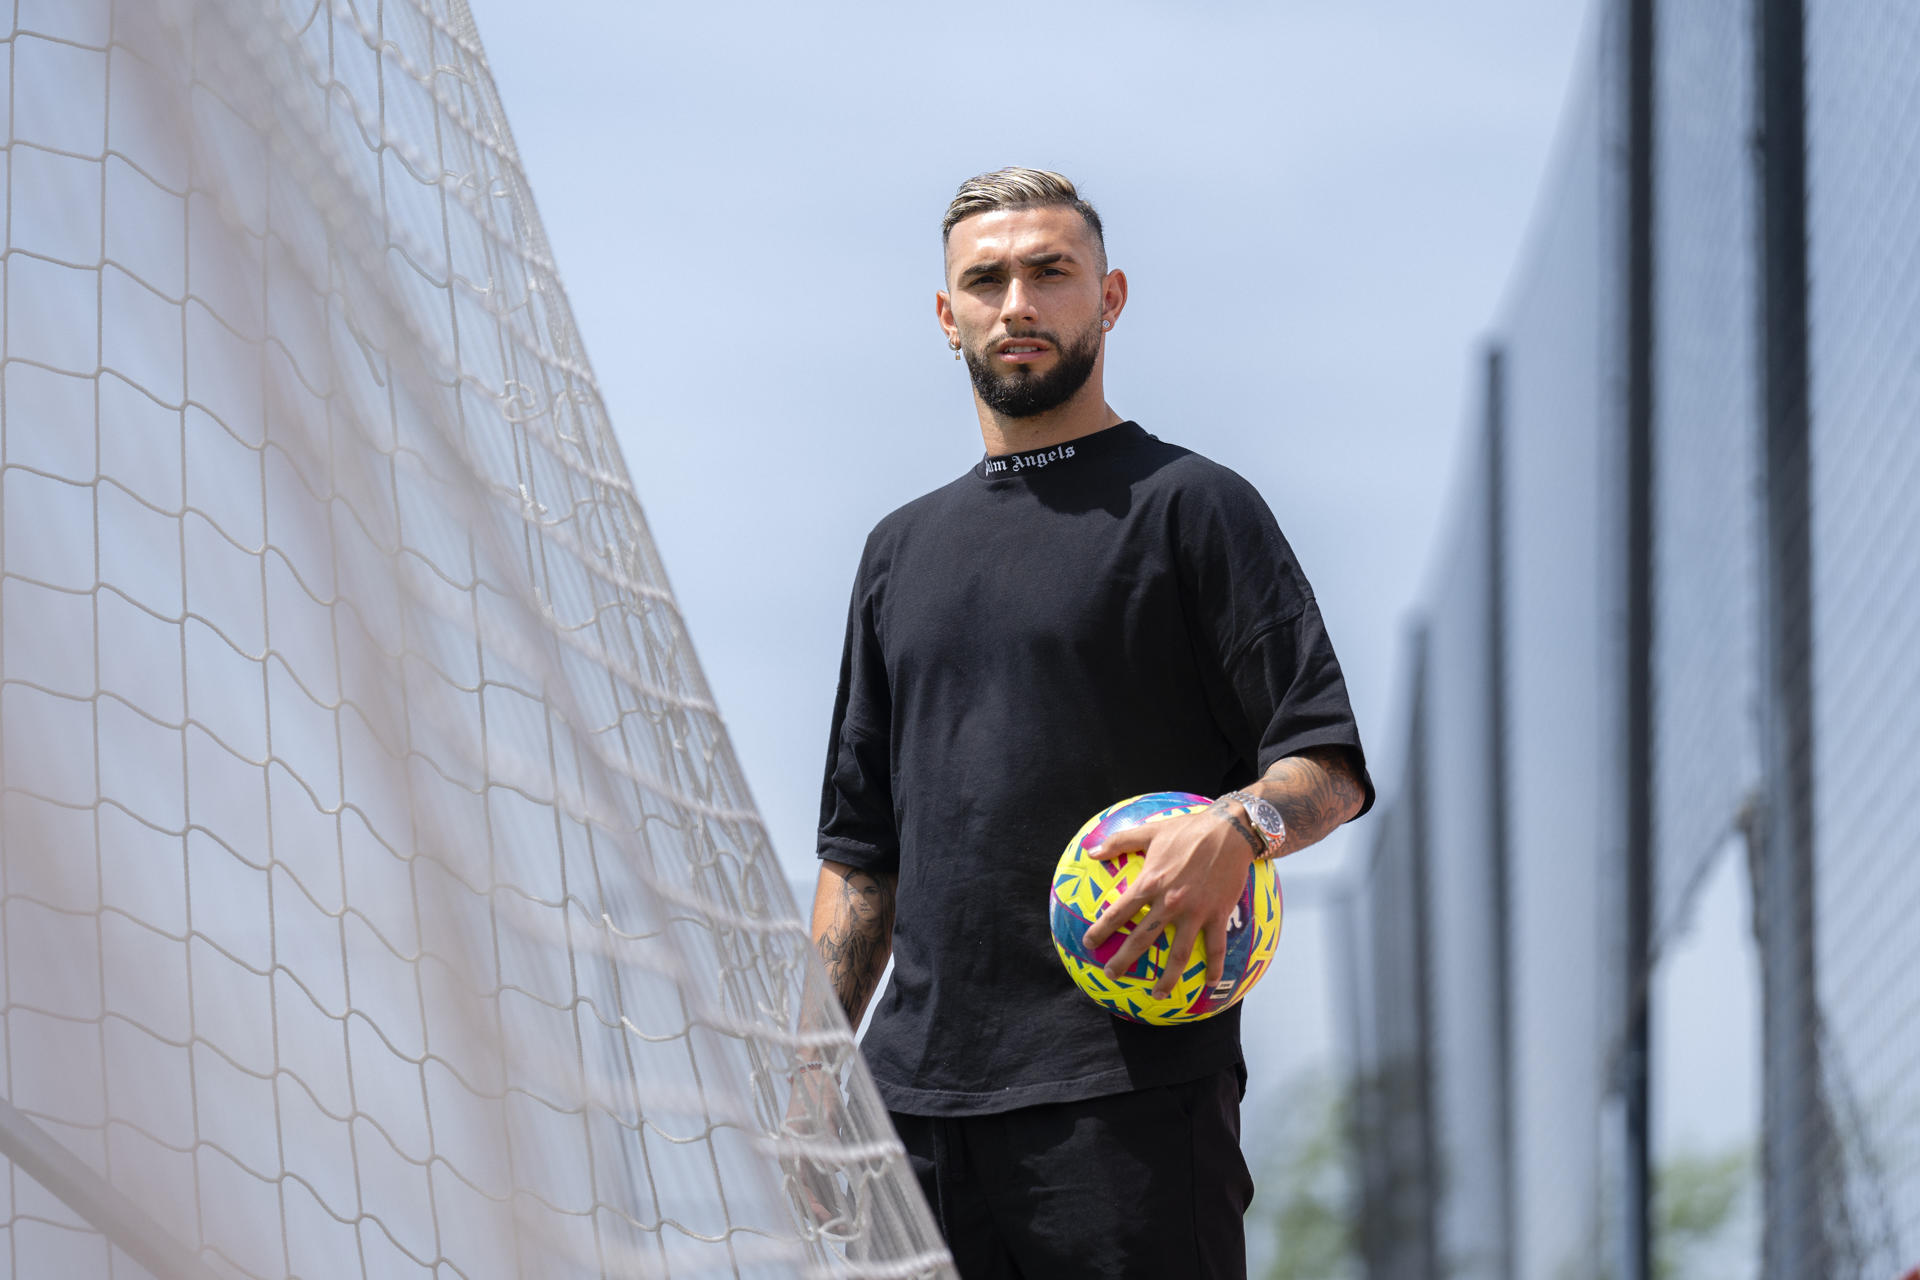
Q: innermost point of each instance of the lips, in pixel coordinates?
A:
(1021, 350)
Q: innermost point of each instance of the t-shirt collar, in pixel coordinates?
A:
(1034, 461)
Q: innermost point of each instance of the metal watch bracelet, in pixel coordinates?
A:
(1264, 818)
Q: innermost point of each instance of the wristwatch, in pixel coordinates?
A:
(1265, 818)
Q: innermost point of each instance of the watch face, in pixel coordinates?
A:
(1264, 815)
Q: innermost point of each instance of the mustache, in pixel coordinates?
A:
(1044, 335)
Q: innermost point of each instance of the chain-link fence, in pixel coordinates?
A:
(1672, 621)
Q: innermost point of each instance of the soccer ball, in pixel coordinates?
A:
(1083, 886)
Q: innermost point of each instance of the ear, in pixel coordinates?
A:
(1113, 296)
(943, 310)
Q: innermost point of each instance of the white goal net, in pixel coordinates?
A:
(379, 893)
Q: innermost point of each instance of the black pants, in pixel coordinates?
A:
(1147, 1184)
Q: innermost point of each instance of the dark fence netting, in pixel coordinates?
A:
(1465, 938)
(1496, 828)
(1673, 617)
(1705, 469)
(1383, 950)
(1863, 205)
(1554, 392)
(1705, 486)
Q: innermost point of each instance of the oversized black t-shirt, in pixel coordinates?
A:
(1051, 633)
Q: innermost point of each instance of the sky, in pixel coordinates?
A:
(1318, 204)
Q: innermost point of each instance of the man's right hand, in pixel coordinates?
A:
(815, 1114)
(853, 934)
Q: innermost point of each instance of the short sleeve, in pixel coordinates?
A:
(1288, 682)
(856, 798)
(1275, 683)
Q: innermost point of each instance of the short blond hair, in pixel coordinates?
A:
(1017, 188)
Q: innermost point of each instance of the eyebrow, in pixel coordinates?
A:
(1031, 260)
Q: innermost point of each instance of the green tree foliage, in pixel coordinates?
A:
(1694, 1200)
(1305, 1191)
(1306, 1198)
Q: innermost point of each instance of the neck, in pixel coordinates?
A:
(1083, 415)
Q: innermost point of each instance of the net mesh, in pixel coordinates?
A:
(1476, 964)
(1384, 957)
(1558, 402)
(1706, 480)
(380, 893)
(1863, 210)
(1463, 969)
(1838, 1149)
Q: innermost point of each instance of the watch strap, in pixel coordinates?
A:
(1264, 818)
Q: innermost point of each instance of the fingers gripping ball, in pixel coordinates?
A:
(1082, 888)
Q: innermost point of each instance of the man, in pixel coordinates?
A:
(1086, 615)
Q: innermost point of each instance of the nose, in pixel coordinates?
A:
(1016, 305)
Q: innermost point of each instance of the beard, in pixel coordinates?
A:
(1018, 392)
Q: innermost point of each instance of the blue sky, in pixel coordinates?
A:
(1317, 205)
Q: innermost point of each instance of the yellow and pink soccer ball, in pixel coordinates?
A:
(1082, 888)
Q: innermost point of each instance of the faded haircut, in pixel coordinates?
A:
(1017, 188)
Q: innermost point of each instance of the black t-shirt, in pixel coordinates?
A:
(1051, 633)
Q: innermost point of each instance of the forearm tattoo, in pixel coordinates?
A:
(1315, 791)
(855, 944)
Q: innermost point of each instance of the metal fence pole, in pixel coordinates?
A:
(1795, 1131)
(1420, 850)
(1636, 723)
(1499, 838)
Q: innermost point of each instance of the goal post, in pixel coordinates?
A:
(380, 892)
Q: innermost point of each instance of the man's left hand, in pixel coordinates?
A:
(1196, 870)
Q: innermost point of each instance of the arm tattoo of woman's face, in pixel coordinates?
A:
(854, 946)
